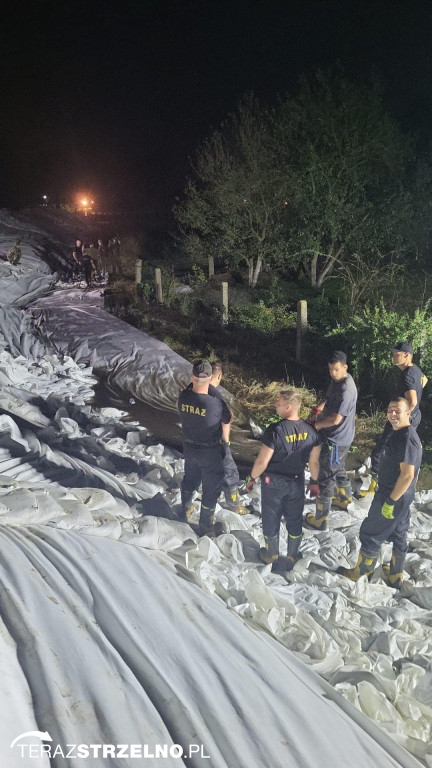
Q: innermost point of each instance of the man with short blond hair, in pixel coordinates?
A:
(286, 449)
(291, 396)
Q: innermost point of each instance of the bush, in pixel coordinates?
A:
(278, 292)
(169, 288)
(322, 313)
(198, 279)
(259, 317)
(146, 291)
(369, 338)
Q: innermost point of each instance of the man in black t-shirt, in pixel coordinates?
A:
(206, 423)
(411, 384)
(287, 447)
(389, 514)
(231, 473)
(335, 421)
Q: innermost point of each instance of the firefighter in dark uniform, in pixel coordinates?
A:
(287, 447)
(335, 422)
(389, 514)
(206, 423)
(411, 384)
(87, 264)
(77, 256)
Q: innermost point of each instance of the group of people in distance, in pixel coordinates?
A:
(322, 443)
(99, 260)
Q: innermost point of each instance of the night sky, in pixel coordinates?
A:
(114, 96)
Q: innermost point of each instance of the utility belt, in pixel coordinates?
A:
(201, 445)
(277, 476)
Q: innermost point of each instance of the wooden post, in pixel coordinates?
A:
(159, 297)
(301, 328)
(224, 303)
(138, 271)
(211, 266)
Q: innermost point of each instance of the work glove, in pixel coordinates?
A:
(387, 509)
(313, 488)
(250, 483)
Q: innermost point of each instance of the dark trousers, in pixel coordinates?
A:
(202, 465)
(231, 475)
(87, 269)
(375, 528)
(332, 467)
(282, 496)
(380, 442)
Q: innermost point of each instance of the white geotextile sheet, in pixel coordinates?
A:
(372, 643)
(60, 484)
(114, 648)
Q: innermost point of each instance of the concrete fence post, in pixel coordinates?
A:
(138, 271)
(224, 303)
(301, 328)
(159, 296)
(211, 266)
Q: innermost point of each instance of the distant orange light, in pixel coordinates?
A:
(83, 202)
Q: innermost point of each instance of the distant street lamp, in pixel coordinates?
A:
(84, 204)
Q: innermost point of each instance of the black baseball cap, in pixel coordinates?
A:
(202, 370)
(403, 346)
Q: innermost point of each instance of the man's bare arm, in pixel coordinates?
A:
(332, 420)
(411, 396)
(406, 476)
(226, 429)
(261, 461)
(314, 463)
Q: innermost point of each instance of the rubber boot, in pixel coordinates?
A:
(269, 553)
(207, 525)
(365, 567)
(318, 521)
(186, 506)
(393, 573)
(372, 486)
(185, 513)
(189, 511)
(343, 495)
(293, 551)
(232, 501)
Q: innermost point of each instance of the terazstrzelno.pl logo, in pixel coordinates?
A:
(37, 749)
